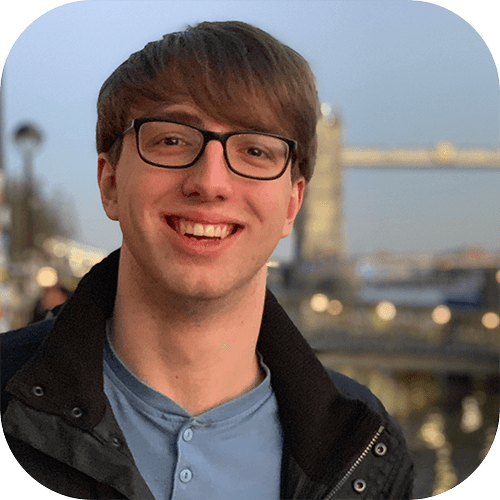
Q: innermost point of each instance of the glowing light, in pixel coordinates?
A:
(431, 433)
(60, 249)
(326, 109)
(490, 320)
(335, 307)
(472, 419)
(445, 151)
(319, 302)
(441, 315)
(273, 263)
(497, 276)
(46, 277)
(386, 311)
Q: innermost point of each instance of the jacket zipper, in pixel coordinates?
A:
(355, 465)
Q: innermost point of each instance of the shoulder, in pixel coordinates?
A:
(17, 347)
(351, 389)
(22, 341)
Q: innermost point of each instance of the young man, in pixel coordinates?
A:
(172, 373)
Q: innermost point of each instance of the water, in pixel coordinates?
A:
(449, 420)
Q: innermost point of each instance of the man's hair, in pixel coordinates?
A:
(234, 72)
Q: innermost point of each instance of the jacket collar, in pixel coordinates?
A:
(323, 430)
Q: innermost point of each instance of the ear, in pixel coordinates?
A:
(294, 204)
(106, 178)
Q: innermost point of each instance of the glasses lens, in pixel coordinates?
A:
(257, 155)
(174, 145)
(169, 144)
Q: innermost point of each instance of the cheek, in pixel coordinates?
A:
(139, 183)
(145, 191)
(273, 206)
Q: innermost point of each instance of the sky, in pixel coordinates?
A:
(401, 73)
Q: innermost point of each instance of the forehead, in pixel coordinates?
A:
(196, 112)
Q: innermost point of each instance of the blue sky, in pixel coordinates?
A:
(401, 73)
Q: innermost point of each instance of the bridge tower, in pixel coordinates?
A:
(322, 222)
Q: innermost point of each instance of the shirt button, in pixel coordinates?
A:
(186, 475)
(187, 435)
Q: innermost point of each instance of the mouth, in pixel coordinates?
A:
(201, 230)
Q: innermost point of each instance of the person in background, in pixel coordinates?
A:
(51, 297)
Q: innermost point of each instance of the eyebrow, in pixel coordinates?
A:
(180, 116)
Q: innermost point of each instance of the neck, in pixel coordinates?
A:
(200, 353)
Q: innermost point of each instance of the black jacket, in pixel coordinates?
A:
(339, 442)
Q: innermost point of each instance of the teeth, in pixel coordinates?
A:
(210, 231)
(207, 230)
(198, 230)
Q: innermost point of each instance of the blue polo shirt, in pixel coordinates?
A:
(230, 452)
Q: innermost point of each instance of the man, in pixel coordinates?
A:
(172, 373)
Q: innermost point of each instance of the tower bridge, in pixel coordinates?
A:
(322, 236)
(412, 340)
(444, 155)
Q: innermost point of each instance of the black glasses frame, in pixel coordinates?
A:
(210, 136)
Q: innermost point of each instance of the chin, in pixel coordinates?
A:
(208, 290)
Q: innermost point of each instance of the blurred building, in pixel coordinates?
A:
(322, 231)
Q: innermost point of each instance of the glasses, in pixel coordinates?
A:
(168, 144)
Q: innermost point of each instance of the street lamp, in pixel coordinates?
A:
(27, 138)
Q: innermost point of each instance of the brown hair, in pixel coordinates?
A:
(234, 72)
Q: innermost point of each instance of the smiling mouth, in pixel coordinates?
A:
(201, 231)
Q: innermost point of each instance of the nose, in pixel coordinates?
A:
(210, 178)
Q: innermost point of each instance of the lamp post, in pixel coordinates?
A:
(27, 139)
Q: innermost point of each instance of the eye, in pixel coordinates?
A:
(170, 141)
(254, 151)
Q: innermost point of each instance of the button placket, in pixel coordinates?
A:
(185, 475)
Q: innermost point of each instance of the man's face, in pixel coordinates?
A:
(157, 206)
